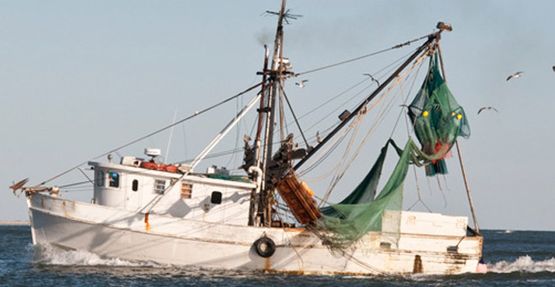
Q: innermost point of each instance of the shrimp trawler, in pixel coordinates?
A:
(266, 217)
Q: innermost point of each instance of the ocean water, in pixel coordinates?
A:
(514, 258)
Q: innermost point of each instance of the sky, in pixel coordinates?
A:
(78, 78)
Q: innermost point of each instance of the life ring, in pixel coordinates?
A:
(264, 246)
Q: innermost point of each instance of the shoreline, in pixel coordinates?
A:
(13, 222)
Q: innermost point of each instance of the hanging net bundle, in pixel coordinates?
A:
(437, 118)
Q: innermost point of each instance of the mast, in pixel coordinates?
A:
(459, 154)
(257, 141)
(264, 160)
(261, 110)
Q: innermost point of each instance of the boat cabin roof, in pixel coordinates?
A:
(193, 177)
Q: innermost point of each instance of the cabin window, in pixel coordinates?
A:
(113, 178)
(186, 190)
(159, 186)
(100, 178)
(135, 185)
(216, 197)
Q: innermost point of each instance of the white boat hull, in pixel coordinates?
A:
(114, 233)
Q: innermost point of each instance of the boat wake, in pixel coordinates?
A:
(50, 255)
(523, 264)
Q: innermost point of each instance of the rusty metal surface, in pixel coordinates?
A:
(297, 197)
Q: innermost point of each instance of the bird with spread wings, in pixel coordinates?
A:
(486, 109)
(515, 76)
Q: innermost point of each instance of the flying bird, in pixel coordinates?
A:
(301, 83)
(486, 108)
(18, 185)
(372, 78)
(553, 68)
(515, 76)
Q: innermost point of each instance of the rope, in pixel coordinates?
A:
(293, 113)
(333, 98)
(237, 132)
(401, 113)
(405, 101)
(382, 70)
(154, 132)
(355, 126)
(381, 116)
(418, 191)
(363, 56)
(325, 154)
(74, 184)
(390, 66)
(339, 107)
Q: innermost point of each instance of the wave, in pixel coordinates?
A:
(50, 255)
(523, 264)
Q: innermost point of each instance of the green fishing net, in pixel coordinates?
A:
(437, 118)
(362, 211)
(366, 189)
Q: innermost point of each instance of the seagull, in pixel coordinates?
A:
(487, 108)
(301, 83)
(318, 139)
(515, 75)
(372, 78)
(18, 185)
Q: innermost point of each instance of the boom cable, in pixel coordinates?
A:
(363, 56)
(197, 113)
(294, 116)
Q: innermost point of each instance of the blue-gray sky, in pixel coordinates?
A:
(78, 78)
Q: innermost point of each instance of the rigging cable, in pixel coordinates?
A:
(332, 147)
(459, 154)
(333, 98)
(73, 184)
(408, 129)
(341, 171)
(197, 113)
(293, 113)
(355, 125)
(363, 56)
(381, 116)
(386, 69)
(381, 70)
(237, 132)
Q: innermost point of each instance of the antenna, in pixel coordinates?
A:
(286, 16)
(170, 137)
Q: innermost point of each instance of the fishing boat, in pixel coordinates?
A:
(266, 218)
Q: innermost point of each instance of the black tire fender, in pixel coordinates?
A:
(264, 246)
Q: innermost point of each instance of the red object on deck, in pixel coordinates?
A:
(159, 166)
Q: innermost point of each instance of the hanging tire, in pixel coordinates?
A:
(264, 246)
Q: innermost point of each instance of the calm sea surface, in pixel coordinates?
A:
(517, 258)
